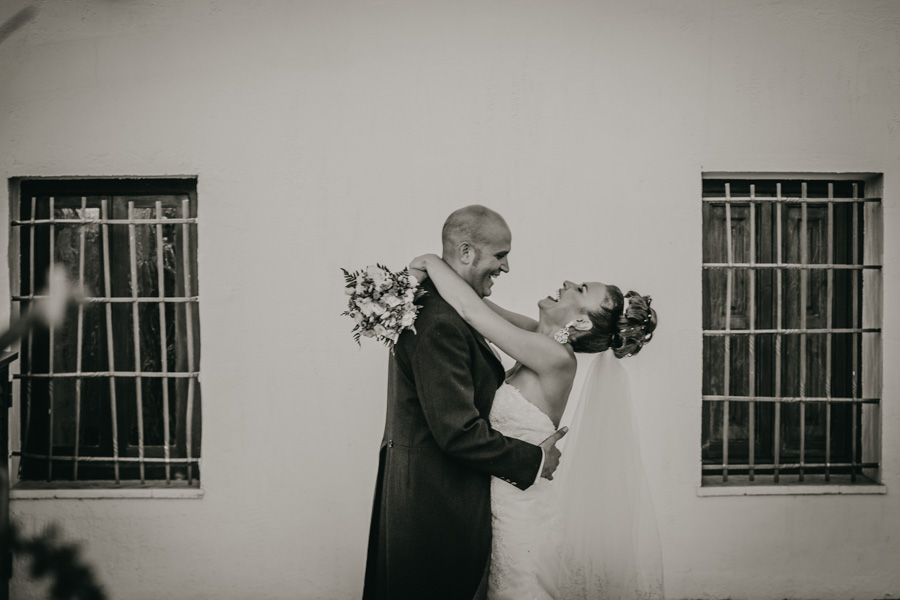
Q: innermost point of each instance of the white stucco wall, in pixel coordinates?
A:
(328, 134)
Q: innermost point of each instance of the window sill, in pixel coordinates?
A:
(814, 485)
(85, 490)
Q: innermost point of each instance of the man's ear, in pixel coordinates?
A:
(466, 253)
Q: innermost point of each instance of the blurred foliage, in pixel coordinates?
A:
(71, 578)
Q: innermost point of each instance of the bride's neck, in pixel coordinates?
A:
(546, 328)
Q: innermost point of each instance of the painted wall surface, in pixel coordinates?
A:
(328, 134)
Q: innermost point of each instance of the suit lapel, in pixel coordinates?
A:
(490, 355)
(488, 352)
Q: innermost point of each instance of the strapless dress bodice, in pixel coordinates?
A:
(514, 416)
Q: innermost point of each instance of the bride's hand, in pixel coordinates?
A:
(418, 267)
(419, 263)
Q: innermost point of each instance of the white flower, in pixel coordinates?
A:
(349, 291)
(377, 275)
(367, 307)
(391, 300)
(407, 319)
(380, 330)
(378, 309)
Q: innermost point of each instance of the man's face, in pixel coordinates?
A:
(490, 259)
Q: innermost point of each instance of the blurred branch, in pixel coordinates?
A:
(16, 21)
(71, 578)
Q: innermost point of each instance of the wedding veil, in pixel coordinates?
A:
(611, 539)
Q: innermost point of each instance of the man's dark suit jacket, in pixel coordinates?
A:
(430, 536)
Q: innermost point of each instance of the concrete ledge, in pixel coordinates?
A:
(790, 490)
(102, 489)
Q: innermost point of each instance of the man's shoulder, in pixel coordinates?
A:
(434, 311)
(436, 316)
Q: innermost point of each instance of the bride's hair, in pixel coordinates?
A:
(625, 331)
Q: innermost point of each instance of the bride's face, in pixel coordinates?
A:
(573, 300)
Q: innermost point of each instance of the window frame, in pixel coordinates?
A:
(865, 459)
(143, 193)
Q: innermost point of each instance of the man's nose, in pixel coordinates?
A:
(504, 266)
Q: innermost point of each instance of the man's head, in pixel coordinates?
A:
(476, 243)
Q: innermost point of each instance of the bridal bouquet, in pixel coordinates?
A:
(381, 303)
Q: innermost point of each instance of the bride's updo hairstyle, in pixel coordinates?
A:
(623, 323)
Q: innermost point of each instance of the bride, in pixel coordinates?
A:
(591, 533)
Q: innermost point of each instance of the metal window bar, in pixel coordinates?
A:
(104, 213)
(807, 465)
(110, 374)
(189, 321)
(829, 323)
(779, 199)
(727, 361)
(804, 299)
(789, 399)
(163, 349)
(30, 352)
(856, 337)
(804, 267)
(50, 369)
(102, 300)
(103, 221)
(751, 341)
(829, 330)
(138, 374)
(107, 459)
(779, 275)
(799, 266)
(79, 333)
(136, 335)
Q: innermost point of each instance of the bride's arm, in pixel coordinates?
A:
(520, 321)
(536, 351)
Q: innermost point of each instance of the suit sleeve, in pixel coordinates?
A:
(446, 391)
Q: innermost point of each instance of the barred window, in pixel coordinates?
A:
(791, 330)
(113, 392)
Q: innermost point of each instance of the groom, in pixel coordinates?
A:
(430, 536)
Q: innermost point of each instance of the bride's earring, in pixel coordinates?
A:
(562, 336)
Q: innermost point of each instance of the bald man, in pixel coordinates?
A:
(430, 536)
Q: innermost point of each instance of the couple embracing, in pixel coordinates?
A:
(466, 504)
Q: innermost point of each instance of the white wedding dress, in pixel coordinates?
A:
(527, 525)
(591, 533)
